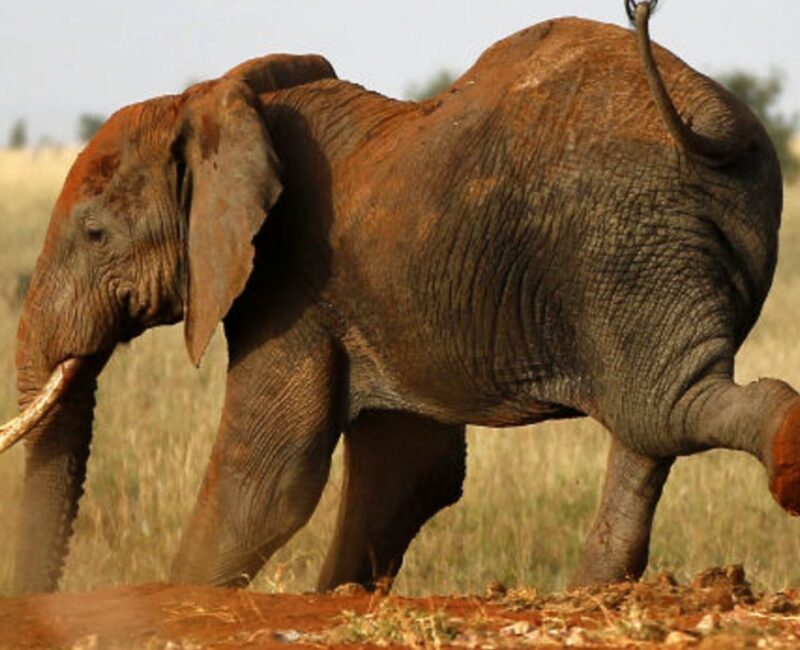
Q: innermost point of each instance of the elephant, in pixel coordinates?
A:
(581, 225)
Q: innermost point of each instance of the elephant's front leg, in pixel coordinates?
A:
(400, 470)
(269, 465)
(618, 543)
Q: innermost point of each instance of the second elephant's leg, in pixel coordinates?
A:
(269, 464)
(618, 542)
(400, 470)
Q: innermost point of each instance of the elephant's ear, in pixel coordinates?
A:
(230, 181)
(276, 71)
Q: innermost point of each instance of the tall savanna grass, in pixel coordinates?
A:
(529, 495)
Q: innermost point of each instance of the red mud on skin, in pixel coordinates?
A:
(145, 127)
(717, 610)
(785, 485)
(91, 172)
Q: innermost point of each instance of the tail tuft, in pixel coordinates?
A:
(630, 8)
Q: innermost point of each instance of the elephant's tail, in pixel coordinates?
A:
(712, 151)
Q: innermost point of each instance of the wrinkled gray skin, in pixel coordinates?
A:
(534, 243)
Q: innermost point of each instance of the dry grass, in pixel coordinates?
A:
(391, 624)
(529, 496)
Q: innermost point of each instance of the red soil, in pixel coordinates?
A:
(718, 610)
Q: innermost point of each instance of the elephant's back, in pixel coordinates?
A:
(578, 83)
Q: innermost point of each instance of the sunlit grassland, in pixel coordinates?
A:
(529, 495)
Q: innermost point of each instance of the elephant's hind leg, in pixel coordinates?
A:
(400, 470)
(269, 464)
(618, 543)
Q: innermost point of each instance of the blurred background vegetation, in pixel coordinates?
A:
(88, 125)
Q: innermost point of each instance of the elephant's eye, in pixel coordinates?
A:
(95, 233)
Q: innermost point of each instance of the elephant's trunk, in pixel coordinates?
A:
(715, 152)
(57, 426)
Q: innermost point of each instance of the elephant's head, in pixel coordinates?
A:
(154, 224)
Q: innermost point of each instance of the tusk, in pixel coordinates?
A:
(21, 425)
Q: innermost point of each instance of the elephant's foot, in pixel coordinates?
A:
(617, 546)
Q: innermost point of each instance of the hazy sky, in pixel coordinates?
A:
(60, 58)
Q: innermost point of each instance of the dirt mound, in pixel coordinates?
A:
(717, 610)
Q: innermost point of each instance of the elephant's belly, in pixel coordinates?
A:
(410, 374)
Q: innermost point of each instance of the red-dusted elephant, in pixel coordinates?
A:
(555, 235)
